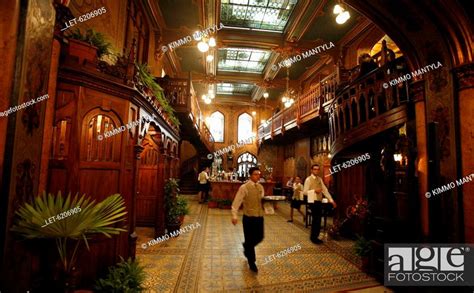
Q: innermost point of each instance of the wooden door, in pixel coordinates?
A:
(147, 188)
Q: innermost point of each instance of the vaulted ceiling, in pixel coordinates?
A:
(257, 35)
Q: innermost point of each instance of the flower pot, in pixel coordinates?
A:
(365, 263)
(212, 204)
(171, 227)
(81, 50)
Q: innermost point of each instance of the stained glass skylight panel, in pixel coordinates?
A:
(242, 60)
(234, 88)
(270, 15)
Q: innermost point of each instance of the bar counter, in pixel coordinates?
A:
(228, 189)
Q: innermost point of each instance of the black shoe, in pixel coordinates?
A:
(317, 241)
(290, 221)
(253, 267)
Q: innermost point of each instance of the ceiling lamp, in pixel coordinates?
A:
(212, 42)
(209, 58)
(286, 99)
(207, 101)
(337, 9)
(265, 95)
(342, 14)
(203, 46)
(197, 36)
(254, 113)
(203, 97)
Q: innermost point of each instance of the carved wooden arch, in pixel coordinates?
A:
(96, 145)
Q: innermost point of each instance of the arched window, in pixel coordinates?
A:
(245, 162)
(216, 126)
(244, 127)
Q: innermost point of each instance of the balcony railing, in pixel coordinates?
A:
(368, 106)
(307, 106)
(181, 95)
(362, 101)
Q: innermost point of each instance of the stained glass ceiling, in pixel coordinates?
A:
(242, 60)
(270, 15)
(234, 88)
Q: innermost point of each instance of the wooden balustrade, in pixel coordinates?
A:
(366, 100)
(306, 107)
(181, 95)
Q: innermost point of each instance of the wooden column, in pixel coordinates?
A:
(464, 88)
(418, 94)
(160, 202)
(137, 150)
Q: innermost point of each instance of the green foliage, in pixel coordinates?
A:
(362, 246)
(182, 206)
(93, 218)
(176, 206)
(225, 202)
(94, 38)
(126, 276)
(147, 79)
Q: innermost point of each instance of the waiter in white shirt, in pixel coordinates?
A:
(314, 183)
(203, 179)
(250, 194)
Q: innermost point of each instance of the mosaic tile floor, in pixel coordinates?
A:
(210, 259)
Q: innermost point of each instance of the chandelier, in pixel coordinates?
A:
(207, 98)
(287, 100)
(342, 14)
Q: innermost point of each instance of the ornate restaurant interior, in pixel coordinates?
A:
(129, 127)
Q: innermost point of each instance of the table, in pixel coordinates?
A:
(228, 189)
(273, 199)
(326, 210)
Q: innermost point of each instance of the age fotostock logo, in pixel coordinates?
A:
(429, 264)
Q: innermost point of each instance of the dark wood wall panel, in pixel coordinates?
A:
(99, 183)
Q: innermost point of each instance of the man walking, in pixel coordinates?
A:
(203, 185)
(314, 183)
(250, 194)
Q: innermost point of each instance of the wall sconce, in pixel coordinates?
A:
(400, 159)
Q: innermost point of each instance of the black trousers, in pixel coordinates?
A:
(253, 234)
(316, 210)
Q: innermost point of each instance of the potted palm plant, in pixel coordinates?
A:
(362, 248)
(69, 229)
(126, 276)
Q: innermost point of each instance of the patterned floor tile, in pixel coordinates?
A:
(210, 258)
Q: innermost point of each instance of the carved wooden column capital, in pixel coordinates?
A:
(417, 89)
(464, 76)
